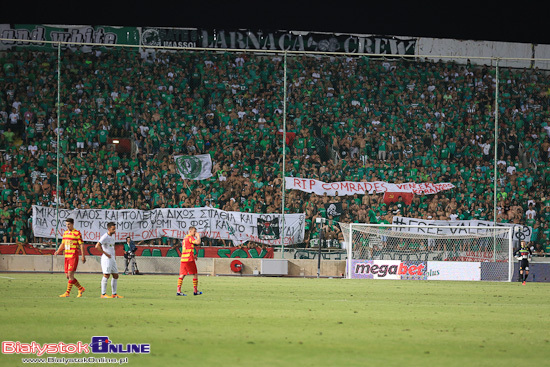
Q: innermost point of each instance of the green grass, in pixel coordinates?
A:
(287, 321)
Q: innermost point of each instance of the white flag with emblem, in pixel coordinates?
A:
(194, 167)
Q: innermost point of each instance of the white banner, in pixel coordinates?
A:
(387, 269)
(194, 167)
(453, 270)
(350, 188)
(415, 270)
(520, 233)
(173, 223)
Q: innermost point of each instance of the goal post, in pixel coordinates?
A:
(429, 252)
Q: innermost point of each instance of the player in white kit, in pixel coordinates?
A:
(106, 245)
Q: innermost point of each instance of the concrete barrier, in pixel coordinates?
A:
(540, 268)
(167, 265)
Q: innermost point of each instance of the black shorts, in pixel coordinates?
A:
(524, 264)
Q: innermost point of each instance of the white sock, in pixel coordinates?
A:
(113, 285)
(103, 285)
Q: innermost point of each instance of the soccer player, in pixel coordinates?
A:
(523, 255)
(71, 242)
(106, 245)
(188, 257)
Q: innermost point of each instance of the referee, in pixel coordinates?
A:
(523, 255)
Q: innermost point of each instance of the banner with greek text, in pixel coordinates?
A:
(520, 233)
(360, 188)
(173, 223)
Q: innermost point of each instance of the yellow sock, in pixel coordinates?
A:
(77, 284)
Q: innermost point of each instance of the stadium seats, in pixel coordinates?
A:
(348, 119)
(172, 253)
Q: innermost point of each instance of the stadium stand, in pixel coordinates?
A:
(349, 119)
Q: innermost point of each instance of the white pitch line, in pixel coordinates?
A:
(8, 278)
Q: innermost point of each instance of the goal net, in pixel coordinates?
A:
(390, 251)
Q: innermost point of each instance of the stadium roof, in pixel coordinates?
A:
(515, 22)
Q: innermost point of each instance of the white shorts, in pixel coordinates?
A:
(108, 266)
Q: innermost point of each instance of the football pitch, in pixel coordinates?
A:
(265, 321)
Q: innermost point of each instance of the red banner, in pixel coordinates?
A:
(219, 252)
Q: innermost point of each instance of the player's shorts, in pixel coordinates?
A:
(71, 263)
(524, 264)
(108, 265)
(188, 268)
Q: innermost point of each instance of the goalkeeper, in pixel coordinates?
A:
(523, 255)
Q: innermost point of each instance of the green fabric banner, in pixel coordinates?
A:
(17, 36)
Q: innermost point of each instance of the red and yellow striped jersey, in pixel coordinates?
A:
(72, 241)
(188, 249)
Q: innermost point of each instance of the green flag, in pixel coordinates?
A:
(194, 167)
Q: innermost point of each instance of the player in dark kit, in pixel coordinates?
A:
(523, 255)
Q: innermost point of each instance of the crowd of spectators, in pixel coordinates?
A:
(348, 119)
